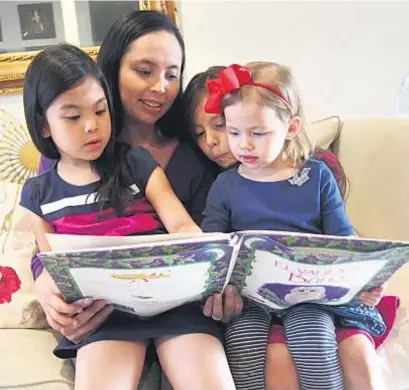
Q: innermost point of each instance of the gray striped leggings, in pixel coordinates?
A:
(310, 335)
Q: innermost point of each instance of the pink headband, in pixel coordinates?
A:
(231, 79)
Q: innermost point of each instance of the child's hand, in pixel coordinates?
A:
(224, 311)
(75, 320)
(373, 297)
(59, 314)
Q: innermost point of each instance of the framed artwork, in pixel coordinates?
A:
(39, 21)
(36, 21)
(104, 13)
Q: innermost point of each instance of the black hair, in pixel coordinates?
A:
(191, 98)
(52, 72)
(115, 44)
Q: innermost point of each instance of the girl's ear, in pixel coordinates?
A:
(293, 127)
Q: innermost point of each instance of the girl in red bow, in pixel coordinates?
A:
(278, 186)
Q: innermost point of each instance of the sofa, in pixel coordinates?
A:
(374, 153)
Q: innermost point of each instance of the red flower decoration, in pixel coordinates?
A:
(231, 79)
(9, 284)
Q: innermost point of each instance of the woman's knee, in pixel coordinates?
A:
(195, 361)
(280, 370)
(360, 363)
(110, 364)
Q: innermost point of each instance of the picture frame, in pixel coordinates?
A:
(36, 21)
(14, 65)
(104, 13)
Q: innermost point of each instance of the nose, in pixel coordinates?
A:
(91, 125)
(160, 84)
(212, 138)
(246, 143)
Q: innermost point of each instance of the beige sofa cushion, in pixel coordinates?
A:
(18, 160)
(19, 307)
(323, 128)
(27, 361)
(375, 156)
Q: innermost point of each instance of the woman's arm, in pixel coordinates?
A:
(200, 191)
(216, 216)
(169, 208)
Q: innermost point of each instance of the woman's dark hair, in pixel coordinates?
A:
(51, 73)
(121, 34)
(192, 95)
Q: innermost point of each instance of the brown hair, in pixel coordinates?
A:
(299, 148)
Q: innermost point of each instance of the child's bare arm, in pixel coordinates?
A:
(41, 227)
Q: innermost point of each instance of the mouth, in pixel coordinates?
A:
(152, 105)
(248, 159)
(221, 157)
(94, 144)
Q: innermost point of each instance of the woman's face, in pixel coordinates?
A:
(212, 137)
(149, 76)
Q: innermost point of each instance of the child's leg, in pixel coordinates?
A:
(246, 344)
(310, 335)
(360, 363)
(281, 373)
(194, 361)
(109, 365)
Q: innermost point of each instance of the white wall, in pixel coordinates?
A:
(347, 56)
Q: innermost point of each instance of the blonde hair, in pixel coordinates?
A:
(299, 148)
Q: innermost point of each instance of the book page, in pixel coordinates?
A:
(144, 292)
(280, 283)
(280, 270)
(143, 279)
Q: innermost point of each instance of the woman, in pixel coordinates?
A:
(143, 58)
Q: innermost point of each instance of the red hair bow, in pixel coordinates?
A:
(231, 79)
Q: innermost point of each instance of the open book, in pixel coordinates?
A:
(147, 275)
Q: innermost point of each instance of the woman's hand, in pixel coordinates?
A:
(76, 320)
(224, 311)
(373, 297)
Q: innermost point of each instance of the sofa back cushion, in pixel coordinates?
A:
(375, 155)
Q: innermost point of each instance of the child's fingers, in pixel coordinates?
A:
(58, 304)
(53, 324)
(59, 318)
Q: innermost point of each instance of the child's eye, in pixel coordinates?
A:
(101, 112)
(233, 133)
(259, 134)
(72, 118)
(199, 134)
(219, 126)
(144, 72)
